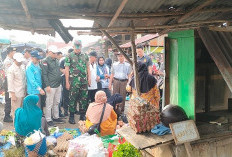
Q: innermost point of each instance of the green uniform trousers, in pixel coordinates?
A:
(78, 94)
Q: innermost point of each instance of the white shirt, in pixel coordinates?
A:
(93, 70)
(121, 70)
(7, 63)
(16, 80)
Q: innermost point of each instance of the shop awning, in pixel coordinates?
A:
(4, 41)
(158, 49)
(140, 40)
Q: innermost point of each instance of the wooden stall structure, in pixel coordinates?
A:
(197, 55)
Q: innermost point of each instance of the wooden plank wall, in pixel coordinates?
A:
(210, 148)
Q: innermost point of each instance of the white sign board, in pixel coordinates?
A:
(185, 131)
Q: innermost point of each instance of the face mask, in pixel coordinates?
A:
(78, 47)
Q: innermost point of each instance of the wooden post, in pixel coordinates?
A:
(188, 149)
(207, 90)
(167, 71)
(120, 8)
(28, 15)
(106, 49)
(116, 45)
(134, 58)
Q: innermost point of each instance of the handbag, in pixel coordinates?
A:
(96, 127)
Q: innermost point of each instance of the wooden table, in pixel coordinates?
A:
(144, 140)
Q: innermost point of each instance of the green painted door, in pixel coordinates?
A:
(182, 70)
(173, 71)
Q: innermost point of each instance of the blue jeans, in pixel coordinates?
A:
(107, 91)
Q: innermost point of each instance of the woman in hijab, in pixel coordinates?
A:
(103, 73)
(109, 62)
(29, 117)
(94, 112)
(115, 101)
(148, 86)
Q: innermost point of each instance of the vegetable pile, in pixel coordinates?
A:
(126, 150)
(7, 134)
(73, 132)
(142, 117)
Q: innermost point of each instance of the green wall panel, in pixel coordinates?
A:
(182, 70)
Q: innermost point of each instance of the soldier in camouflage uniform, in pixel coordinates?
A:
(77, 75)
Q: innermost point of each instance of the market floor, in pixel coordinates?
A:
(9, 126)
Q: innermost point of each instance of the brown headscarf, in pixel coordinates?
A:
(95, 109)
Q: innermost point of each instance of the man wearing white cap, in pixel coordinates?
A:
(52, 81)
(16, 82)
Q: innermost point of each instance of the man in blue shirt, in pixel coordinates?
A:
(33, 75)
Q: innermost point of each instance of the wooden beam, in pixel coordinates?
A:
(98, 5)
(115, 33)
(150, 27)
(134, 59)
(221, 29)
(217, 55)
(195, 10)
(167, 71)
(116, 45)
(122, 5)
(28, 15)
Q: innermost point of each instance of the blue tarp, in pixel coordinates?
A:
(4, 147)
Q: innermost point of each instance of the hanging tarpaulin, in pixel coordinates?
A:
(4, 41)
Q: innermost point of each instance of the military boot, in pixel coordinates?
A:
(71, 118)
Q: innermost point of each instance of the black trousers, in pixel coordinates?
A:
(64, 95)
(7, 108)
(91, 95)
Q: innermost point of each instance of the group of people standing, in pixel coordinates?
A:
(67, 81)
(28, 73)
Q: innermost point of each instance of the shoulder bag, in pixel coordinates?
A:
(96, 127)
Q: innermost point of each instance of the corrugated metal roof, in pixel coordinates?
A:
(12, 14)
(140, 40)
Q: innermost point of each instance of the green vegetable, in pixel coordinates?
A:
(73, 132)
(126, 150)
(9, 133)
(52, 130)
(62, 130)
(19, 152)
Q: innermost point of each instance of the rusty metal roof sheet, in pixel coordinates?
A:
(12, 15)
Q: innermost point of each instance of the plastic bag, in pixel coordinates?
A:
(109, 139)
(34, 138)
(86, 146)
(51, 140)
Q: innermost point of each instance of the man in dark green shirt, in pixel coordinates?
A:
(51, 74)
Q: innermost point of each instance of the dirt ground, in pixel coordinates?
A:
(9, 126)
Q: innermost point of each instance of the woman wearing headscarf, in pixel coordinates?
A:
(29, 117)
(109, 62)
(103, 73)
(148, 87)
(94, 112)
(115, 101)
